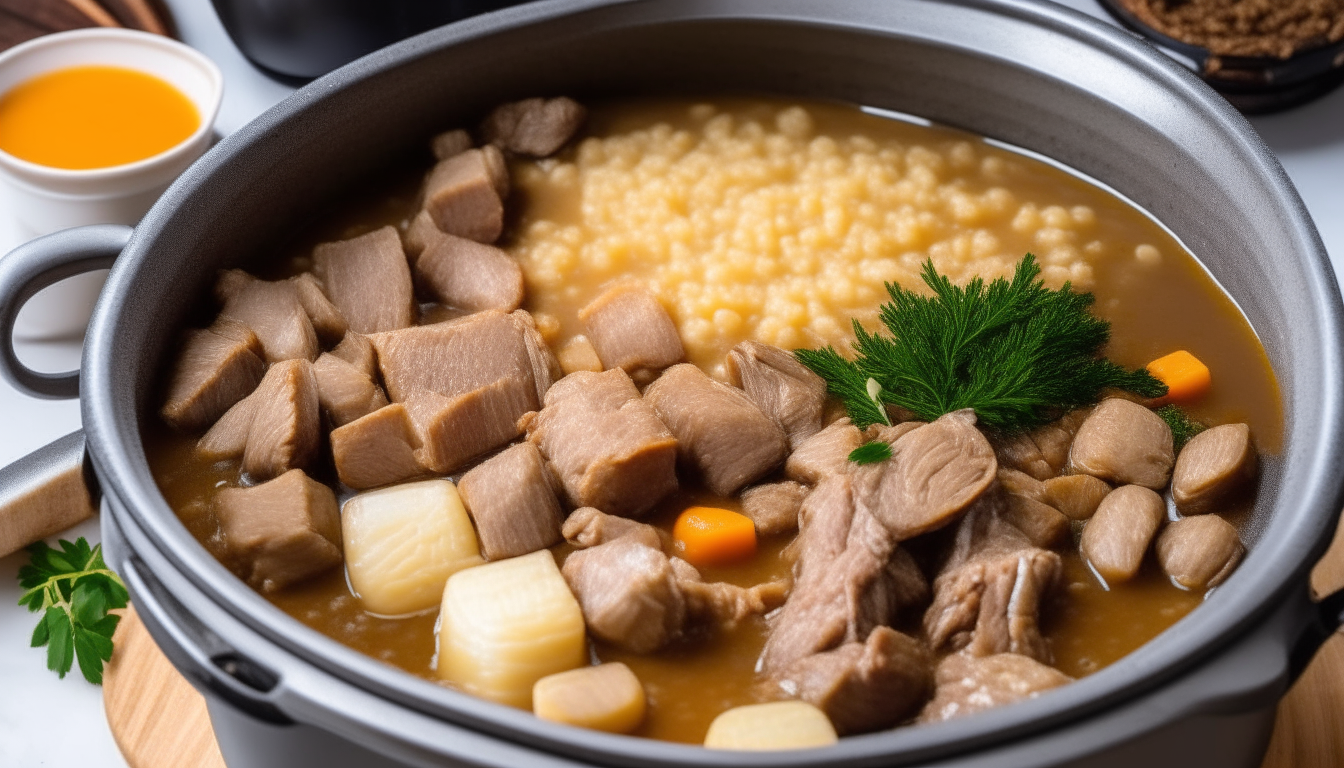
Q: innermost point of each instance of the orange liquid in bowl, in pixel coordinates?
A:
(94, 117)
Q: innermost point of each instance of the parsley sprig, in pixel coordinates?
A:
(1013, 350)
(74, 590)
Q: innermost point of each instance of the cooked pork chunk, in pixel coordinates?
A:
(356, 349)
(1124, 443)
(726, 438)
(285, 429)
(823, 454)
(377, 449)
(450, 144)
(587, 527)
(1199, 552)
(510, 498)
(421, 234)
(327, 321)
(368, 280)
(454, 430)
(1077, 496)
(605, 443)
(865, 686)
(1043, 452)
(631, 330)
(790, 394)
(722, 604)
(465, 193)
(1043, 525)
(469, 275)
(968, 684)
(533, 127)
(1117, 537)
(227, 439)
(773, 507)
(344, 392)
(458, 357)
(273, 310)
(1020, 483)
(217, 367)
(1213, 466)
(281, 531)
(629, 594)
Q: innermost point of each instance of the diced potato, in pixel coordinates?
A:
(776, 725)
(507, 624)
(607, 697)
(402, 543)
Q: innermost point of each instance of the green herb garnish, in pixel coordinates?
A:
(1182, 426)
(871, 453)
(1014, 351)
(74, 590)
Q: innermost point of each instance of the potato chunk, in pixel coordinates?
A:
(776, 725)
(507, 624)
(607, 697)
(402, 543)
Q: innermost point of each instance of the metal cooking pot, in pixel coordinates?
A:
(1032, 74)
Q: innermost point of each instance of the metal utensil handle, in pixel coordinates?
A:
(36, 265)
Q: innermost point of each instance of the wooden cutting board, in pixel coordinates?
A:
(159, 720)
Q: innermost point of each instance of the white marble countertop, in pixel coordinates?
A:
(45, 721)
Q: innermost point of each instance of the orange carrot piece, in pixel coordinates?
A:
(1187, 378)
(712, 536)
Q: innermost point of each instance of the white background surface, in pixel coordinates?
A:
(60, 723)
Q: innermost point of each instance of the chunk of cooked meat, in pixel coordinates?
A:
(344, 392)
(217, 367)
(785, 389)
(465, 194)
(605, 443)
(1077, 496)
(1117, 537)
(450, 144)
(454, 430)
(533, 127)
(823, 454)
(722, 604)
(377, 449)
(510, 498)
(631, 330)
(281, 531)
(545, 368)
(721, 433)
(987, 597)
(1213, 467)
(587, 527)
(578, 355)
(356, 349)
(1199, 552)
(890, 433)
(1124, 443)
(469, 275)
(273, 310)
(227, 439)
(774, 507)
(1020, 483)
(327, 321)
(935, 472)
(865, 686)
(629, 594)
(968, 684)
(285, 429)
(1043, 525)
(1043, 452)
(368, 280)
(420, 234)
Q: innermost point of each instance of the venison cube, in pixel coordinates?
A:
(783, 388)
(1077, 496)
(464, 194)
(774, 507)
(719, 430)
(273, 311)
(217, 367)
(1213, 466)
(607, 697)
(402, 544)
(1199, 552)
(631, 330)
(505, 625)
(511, 500)
(368, 280)
(772, 726)
(343, 391)
(377, 449)
(823, 454)
(469, 275)
(1117, 537)
(285, 428)
(1124, 443)
(534, 127)
(280, 532)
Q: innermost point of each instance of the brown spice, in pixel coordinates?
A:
(1252, 28)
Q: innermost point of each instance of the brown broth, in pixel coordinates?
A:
(1153, 309)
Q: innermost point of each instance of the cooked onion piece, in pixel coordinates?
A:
(607, 697)
(776, 725)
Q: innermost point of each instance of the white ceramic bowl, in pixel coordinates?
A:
(43, 200)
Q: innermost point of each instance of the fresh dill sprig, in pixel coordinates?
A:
(74, 589)
(1013, 350)
(871, 453)
(1182, 426)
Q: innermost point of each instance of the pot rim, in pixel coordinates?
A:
(1275, 566)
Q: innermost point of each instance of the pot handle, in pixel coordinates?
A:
(1326, 620)
(46, 492)
(36, 265)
